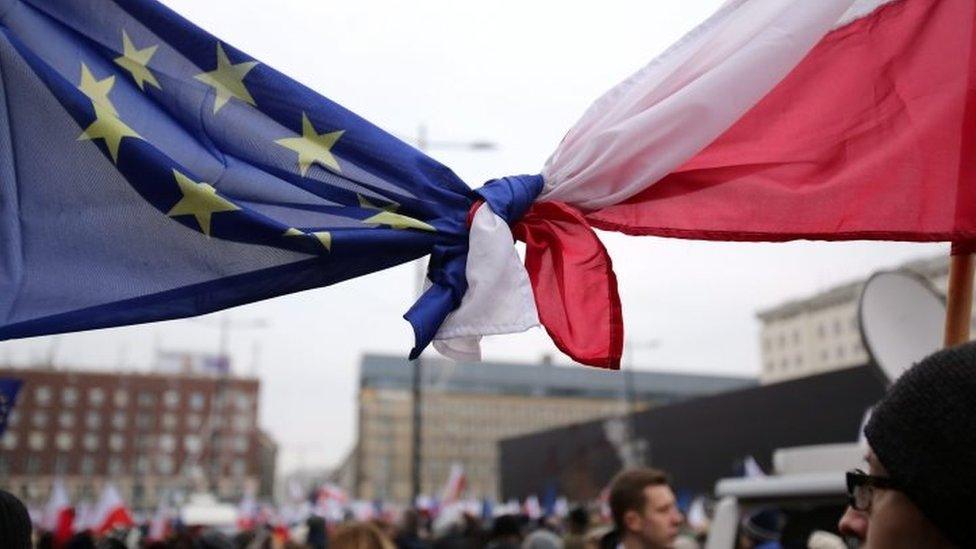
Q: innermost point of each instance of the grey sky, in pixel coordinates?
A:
(519, 74)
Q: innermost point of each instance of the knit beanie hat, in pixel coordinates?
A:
(15, 523)
(924, 432)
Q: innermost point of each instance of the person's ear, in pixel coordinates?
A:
(633, 521)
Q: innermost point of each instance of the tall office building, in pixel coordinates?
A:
(148, 433)
(468, 407)
(821, 333)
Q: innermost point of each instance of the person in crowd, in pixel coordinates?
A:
(409, 535)
(761, 529)
(644, 509)
(577, 522)
(543, 537)
(15, 522)
(506, 533)
(359, 535)
(317, 536)
(921, 464)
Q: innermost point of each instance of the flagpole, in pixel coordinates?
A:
(959, 296)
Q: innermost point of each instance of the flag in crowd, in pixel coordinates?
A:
(178, 145)
(455, 485)
(160, 526)
(9, 389)
(110, 511)
(59, 515)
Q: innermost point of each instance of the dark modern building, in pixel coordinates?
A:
(697, 441)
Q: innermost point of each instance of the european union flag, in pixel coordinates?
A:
(149, 171)
(9, 388)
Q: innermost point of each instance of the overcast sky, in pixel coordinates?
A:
(515, 73)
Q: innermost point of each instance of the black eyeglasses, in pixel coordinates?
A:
(860, 488)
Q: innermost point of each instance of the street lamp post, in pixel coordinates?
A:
(416, 459)
(638, 446)
(211, 431)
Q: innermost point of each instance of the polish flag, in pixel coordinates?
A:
(331, 502)
(531, 508)
(58, 514)
(772, 120)
(871, 134)
(247, 512)
(159, 525)
(110, 512)
(455, 485)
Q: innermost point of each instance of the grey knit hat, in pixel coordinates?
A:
(924, 433)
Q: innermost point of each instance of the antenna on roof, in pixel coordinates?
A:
(52, 350)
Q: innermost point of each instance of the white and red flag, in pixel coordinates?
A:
(455, 485)
(772, 120)
(331, 502)
(110, 512)
(247, 512)
(162, 519)
(58, 517)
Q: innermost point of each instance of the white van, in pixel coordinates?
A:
(808, 486)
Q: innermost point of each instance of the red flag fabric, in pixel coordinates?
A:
(871, 136)
(573, 283)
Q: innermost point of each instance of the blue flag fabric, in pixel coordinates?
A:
(149, 171)
(9, 388)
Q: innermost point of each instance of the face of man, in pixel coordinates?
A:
(657, 526)
(892, 521)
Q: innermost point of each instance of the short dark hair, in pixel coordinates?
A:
(627, 491)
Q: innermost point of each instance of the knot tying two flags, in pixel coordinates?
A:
(573, 285)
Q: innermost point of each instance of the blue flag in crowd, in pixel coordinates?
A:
(9, 388)
(149, 171)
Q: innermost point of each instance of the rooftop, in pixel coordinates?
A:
(510, 378)
(845, 293)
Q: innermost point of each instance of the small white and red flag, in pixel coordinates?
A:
(58, 517)
(110, 512)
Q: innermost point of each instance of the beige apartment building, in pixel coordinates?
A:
(468, 407)
(821, 333)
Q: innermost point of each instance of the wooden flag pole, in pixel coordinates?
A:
(959, 297)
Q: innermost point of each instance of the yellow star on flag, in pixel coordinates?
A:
(199, 200)
(97, 90)
(323, 237)
(312, 147)
(227, 80)
(109, 127)
(387, 216)
(135, 61)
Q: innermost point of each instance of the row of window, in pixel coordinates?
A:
(839, 354)
(37, 441)
(822, 329)
(70, 396)
(87, 465)
(40, 419)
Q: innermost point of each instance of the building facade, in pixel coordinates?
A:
(150, 434)
(822, 333)
(468, 407)
(697, 441)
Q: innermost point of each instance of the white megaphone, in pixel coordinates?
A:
(902, 320)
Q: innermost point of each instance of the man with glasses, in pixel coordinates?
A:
(919, 490)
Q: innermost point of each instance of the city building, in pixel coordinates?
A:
(149, 433)
(468, 407)
(821, 333)
(696, 441)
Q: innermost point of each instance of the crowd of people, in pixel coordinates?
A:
(916, 493)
